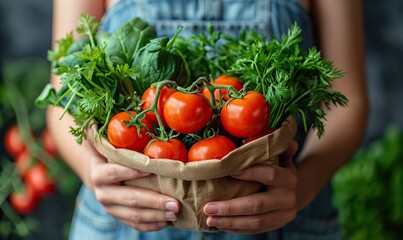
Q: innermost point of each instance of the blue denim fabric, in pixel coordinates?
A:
(269, 17)
(318, 221)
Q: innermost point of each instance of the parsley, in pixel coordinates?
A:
(292, 80)
(94, 85)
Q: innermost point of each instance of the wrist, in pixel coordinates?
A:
(87, 161)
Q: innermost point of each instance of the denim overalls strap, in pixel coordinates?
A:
(269, 17)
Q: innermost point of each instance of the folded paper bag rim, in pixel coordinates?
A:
(263, 150)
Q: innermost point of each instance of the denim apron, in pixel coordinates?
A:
(318, 221)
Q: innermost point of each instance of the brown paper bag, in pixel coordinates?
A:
(196, 183)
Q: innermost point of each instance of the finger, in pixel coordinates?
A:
(135, 198)
(140, 215)
(111, 173)
(146, 227)
(289, 153)
(258, 203)
(286, 159)
(255, 222)
(269, 175)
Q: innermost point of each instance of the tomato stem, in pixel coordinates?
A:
(209, 132)
(154, 107)
(136, 119)
(195, 136)
(7, 182)
(195, 86)
(172, 40)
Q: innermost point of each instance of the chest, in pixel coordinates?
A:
(305, 3)
(205, 9)
(268, 17)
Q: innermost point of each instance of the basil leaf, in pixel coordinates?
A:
(157, 62)
(128, 39)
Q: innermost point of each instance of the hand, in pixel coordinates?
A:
(141, 209)
(263, 211)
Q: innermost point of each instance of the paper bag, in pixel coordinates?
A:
(194, 184)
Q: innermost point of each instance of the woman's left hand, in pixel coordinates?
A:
(263, 211)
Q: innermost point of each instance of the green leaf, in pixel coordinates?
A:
(78, 45)
(5, 228)
(155, 63)
(87, 26)
(128, 39)
(367, 191)
(48, 97)
(102, 38)
(62, 48)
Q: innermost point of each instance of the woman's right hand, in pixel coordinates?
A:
(142, 209)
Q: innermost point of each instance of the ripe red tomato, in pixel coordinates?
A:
(48, 143)
(228, 81)
(207, 94)
(24, 201)
(187, 112)
(12, 141)
(121, 136)
(148, 98)
(247, 116)
(173, 149)
(38, 178)
(223, 80)
(23, 162)
(210, 148)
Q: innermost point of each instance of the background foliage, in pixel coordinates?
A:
(368, 191)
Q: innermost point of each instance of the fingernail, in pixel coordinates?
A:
(172, 206)
(213, 222)
(170, 216)
(211, 209)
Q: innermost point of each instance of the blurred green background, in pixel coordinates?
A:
(25, 36)
(368, 191)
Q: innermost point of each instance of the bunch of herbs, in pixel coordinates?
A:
(293, 80)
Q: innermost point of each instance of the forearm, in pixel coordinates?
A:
(66, 14)
(340, 35)
(75, 155)
(321, 158)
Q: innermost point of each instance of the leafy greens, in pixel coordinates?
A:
(368, 191)
(105, 73)
(292, 80)
(96, 77)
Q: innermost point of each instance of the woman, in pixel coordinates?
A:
(298, 203)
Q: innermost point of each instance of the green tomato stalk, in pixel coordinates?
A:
(136, 120)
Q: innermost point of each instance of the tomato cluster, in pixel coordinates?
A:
(36, 181)
(219, 116)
